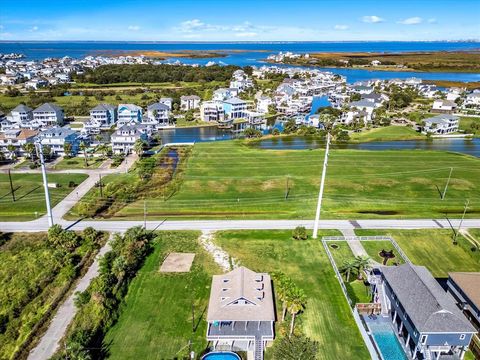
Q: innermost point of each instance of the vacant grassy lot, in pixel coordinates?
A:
(327, 318)
(433, 249)
(466, 125)
(230, 179)
(29, 194)
(386, 134)
(156, 318)
(79, 163)
(32, 275)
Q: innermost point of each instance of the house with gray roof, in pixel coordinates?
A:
(241, 312)
(128, 114)
(425, 316)
(21, 114)
(48, 115)
(441, 124)
(56, 137)
(235, 108)
(124, 138)
(158, 115)
(189, 102)
(102, 116)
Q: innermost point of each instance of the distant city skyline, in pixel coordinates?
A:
(214, 20)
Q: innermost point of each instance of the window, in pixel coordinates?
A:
(424, 339)
(462, 337)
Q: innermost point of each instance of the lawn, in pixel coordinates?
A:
(433, 249)
(373, 248)
(327, 318)
(388, 133)
(230, 179)
(466, 124)
(29, 194)
(32, 275)
(79, 163)
(156, 318)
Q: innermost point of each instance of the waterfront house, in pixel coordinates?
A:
(190, 102)
(241, 311)
(128, 114)
(366, 106)
(425, 317)
(48, 114)
(444, 106)
(472, 99)
(263, 103)
(102, 117)
(166, 101)
(157, 115)
(212, 111)
(224, 93)
(17, 138)
(124, 138)
(235, 108)
(56, 137)
(441, 124)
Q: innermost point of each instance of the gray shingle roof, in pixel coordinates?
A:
(104, 107)
(21, 108)
(428, 306)
(158, 106)
(234, 101)
(48, 107)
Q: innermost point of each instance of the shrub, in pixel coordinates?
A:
(300, 233)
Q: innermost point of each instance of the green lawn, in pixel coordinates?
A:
(466, 122)
(433, 249)
(156, 318)
(373, 248)
(79, 163)
(327, 318)
(387, 133)
(230, 179)
(29, 193)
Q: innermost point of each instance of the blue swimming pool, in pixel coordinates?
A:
(386, 339)
(221, 355)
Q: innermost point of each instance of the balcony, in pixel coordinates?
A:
(240, 330)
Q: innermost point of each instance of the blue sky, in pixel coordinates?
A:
(231, 20)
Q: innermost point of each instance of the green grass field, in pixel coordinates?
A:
(79, 163)
(29, 193)
(373, 248)
(466, 122)
(327, 318)
(386, 134)
(433, 249)
(156, 318)
(229, 179)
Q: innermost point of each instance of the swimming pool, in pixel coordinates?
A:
(221, 355)
(386, 339)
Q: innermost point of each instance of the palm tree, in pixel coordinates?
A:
(29, 148)
(139, 147)
(12, 150)
(84, 147)
(297, 303)
(283, 288)
(67, 149)
(362, 263)
(348, 268)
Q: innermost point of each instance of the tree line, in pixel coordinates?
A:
(109, 74)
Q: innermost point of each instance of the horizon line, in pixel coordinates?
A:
(240, 42)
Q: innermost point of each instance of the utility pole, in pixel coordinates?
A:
(320, 193)
(446, 185)
(145, 214)
(45, 185)
(11, 185)
(101, 185)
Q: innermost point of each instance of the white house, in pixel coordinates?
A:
(157, 115)
(366, 106)
(444, 106)
(124, 138)
(235, 108)
(224, 93)
(21, 114)
(56, 137)
(17, 138)
(263, 103)
(441, 124)
(190, 102)
(166, 101)
(128, 114)
(104, 114)
(212, 111)
(473, 99)
(49, 114)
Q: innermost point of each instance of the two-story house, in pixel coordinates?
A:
(157, 115)
(212, 111)
(190, 102)
(241, 311)
(425, 316)
(235, 108)
(124, 138)
(17, 138)
(441, 124)
(48, 115)
(20, 114)
(56, 137)
(102, 117)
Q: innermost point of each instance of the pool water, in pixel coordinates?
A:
(221, 355)
(386, 340)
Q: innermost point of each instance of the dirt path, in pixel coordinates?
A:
(221, 257)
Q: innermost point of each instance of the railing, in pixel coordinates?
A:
(337, 273)
(475, 346)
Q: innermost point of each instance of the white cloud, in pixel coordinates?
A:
(372, 19)
(411, 21)
(341, 27)
(246, 34)
(432, 21)
(133, 28)
(196, 25)
(34, 28)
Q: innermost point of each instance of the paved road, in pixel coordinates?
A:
(65, 313)
(42, 225)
